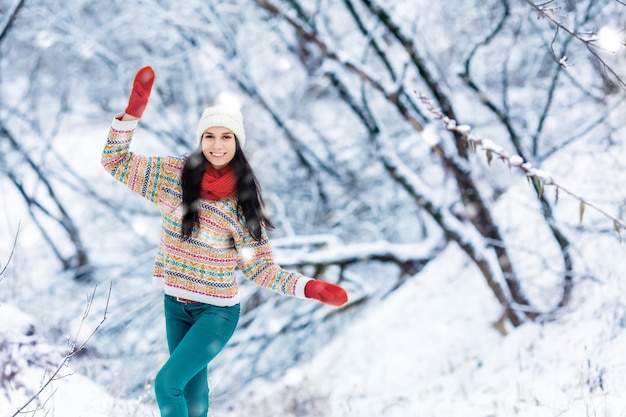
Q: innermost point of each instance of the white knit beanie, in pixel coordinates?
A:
(224, 116)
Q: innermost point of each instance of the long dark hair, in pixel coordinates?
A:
(249, 199)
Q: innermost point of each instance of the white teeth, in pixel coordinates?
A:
(217, 154)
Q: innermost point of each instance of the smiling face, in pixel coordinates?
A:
(218, 146)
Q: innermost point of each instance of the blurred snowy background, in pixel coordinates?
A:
(473, 291)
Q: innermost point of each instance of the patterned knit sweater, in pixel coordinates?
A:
(201, 268)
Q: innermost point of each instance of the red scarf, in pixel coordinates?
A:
(218, 183)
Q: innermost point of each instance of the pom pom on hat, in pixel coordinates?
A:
(224, 116)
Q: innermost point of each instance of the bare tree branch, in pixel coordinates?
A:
(3, 270)
(81, 258)
(588, 43)
(6, 23)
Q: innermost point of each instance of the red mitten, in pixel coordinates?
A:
(326, 293)
(142, 85)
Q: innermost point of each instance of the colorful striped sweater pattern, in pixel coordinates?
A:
(201, 268)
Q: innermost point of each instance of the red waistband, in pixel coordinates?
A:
(185, 300)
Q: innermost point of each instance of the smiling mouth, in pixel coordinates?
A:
(218, 155)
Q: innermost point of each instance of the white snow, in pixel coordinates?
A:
(429, 350)
(14, 322)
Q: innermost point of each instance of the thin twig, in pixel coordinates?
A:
(17, 232)
(73, 350)
(587, 42)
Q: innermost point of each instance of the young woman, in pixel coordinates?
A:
(212, 222)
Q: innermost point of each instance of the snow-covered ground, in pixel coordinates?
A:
(34, 370)
(429, 350)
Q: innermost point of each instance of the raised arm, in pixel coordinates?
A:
(144, 175)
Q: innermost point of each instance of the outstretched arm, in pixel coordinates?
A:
(256, 261)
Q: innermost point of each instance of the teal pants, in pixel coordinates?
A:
(196, 333)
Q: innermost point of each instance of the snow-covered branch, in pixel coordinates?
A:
(405, 255)
(539, 177)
